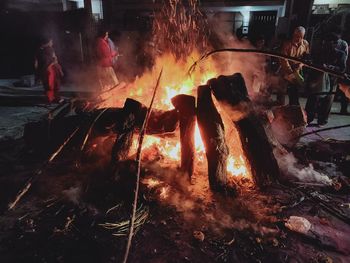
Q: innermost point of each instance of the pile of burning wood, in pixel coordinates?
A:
(231, 94)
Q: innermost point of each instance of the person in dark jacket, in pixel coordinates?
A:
(320, 104)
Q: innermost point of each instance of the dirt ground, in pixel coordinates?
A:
(61, 217)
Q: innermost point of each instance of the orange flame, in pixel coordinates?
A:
(175, 80)
(151, 182)
(164, 192)
(236, 168)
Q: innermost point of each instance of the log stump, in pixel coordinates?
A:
(213, 135)
(186, 110)
(232, 94)
(126, 128)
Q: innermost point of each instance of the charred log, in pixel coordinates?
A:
(213, 135)
(186, 109)
(231, 92)
(160, 121)
(49, 132)
(126, 127)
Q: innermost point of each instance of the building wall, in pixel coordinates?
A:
(331, 2)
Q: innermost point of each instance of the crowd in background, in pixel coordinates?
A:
(319, 87)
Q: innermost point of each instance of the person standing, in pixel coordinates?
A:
(297, 47)
(48, 70)
(343, 46)
(105, 56)
(320, 104)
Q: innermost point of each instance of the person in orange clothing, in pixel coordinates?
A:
(48, 70)
(105, 56)
(297, 47)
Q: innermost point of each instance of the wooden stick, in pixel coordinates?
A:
(90, 129)
(271, 54)
(325, 129)
(30, 182)
(138, 160)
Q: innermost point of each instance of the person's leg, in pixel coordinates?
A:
(293, 94)
(344, 101)
(50, 84)
(311, 107)
(57, 83)
(281, 98)
(325, 109)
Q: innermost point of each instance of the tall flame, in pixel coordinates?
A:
(176, 81)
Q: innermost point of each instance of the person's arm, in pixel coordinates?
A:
(286, 67)
(340, 64)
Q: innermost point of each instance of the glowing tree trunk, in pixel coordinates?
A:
(186, 108)
(231, 92)
(126, 127)
(213, 135)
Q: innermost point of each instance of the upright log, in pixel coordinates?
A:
(126, 128)
(231, 92)
(186, 109)
(213, 135)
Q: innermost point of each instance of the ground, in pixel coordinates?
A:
(63, 216)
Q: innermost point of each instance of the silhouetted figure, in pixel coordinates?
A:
(334, 59)
(48, 70)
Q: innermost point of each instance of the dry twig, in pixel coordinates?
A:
(138, 160)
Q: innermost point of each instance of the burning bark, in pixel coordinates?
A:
(186, 108)
(132, 118)
(232, 94)
(126, 128)
(213, 134)
(160, 121)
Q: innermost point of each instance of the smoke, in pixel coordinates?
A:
(200, 207)
(251, 66)
(73, 194)
(292, 169)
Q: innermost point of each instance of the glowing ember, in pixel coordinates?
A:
(151, 182)
(199, 144)
(236, 168)
(164, 192)
(175, 81)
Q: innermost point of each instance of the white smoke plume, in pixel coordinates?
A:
(251, 66)
(291, 168)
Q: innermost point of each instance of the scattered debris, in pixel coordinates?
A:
(198, 235)
(122, 227)
(298, 224)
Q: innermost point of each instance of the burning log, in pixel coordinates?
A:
(160, 121)
(213, 134)
(126, 128)
(186, 108)
(133, 115)
(232, 94)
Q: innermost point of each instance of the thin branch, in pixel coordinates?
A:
(271, 54)
(325, 129)
(38, 172)
(90, 129)
(138, 160)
